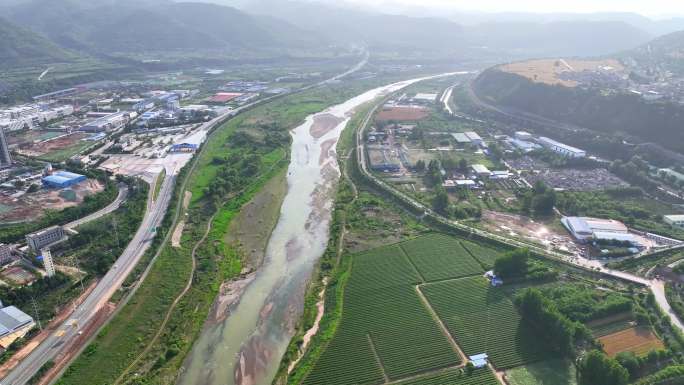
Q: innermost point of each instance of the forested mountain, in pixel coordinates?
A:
(618, 113)
(21, 46)
(663, 53)
(515, 39)
(107, 27)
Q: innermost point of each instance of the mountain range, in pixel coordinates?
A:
(40, 31)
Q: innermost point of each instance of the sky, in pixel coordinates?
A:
(651, 8)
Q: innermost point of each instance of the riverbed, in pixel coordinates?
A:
(246, 346)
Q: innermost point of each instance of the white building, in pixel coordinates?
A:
(561, 148)
(38, 240)
(31, 115)
(481, 171)
(474, 137)
(674, 220)
(586, 229)
(523, 135)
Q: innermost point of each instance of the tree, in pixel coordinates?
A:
(420, 165)
(597, 368)
(512, 264)
(469, 368)
(630, 362)
(463, 165)
(33, 188)
(440, 202)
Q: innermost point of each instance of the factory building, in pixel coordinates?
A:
(562, 149)
(481, 171)
(586, 230)
(62, 179)
(107, 123)
(30, 116)
(674, 220)
(460, 138)
(14, 324)
(40, 239)
(474, 138)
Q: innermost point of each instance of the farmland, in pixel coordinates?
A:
(384, 317)
(483, 320)
(387, 333)
(455, 377)
(401, 114)
(637, 340)
(439, 257)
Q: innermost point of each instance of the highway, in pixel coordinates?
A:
(656, 286)
(104, 290)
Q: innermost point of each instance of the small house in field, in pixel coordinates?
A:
(495, 280)
(479, 360)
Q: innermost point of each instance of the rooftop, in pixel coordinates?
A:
(11, 319)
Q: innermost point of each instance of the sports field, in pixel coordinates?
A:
(387, 331)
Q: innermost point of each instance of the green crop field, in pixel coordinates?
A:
(455, 377)
(384, 317)
(485, 255)
(438, 257)
(482, 319)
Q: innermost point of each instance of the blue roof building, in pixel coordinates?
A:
(62, 179)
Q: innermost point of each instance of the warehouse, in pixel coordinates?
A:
(594, 229)
(561, 148)
(62, 179)
(674, 220)
(461, 138)
(474, 138)
(481, 170)
(14, 324)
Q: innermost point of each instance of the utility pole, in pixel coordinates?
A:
(35, 312)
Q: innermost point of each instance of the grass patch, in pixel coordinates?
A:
(551, 372)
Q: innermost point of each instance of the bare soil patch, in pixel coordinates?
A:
(548, 71)
(402, 114)
(639, 340)
(30, 207)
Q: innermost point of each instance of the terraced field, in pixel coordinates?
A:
(384, 328)
(455, 377)
(483, 320)
(438, 257)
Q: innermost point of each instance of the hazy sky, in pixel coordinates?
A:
(655, 8)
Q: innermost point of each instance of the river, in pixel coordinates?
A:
(246, 347)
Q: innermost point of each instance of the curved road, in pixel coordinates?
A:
(121, 197)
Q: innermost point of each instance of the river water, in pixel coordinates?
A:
(246, 347)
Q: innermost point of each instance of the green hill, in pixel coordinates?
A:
(621, 114)
(663, 53)
(19, 46)
(105, 27)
